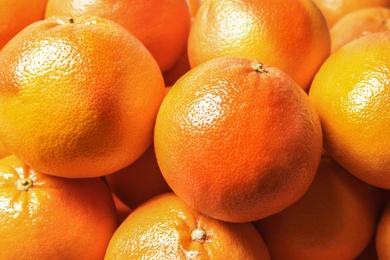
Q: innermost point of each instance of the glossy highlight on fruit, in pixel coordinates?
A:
(165, 227)
(48, 217)
(262, 30)
(73, 98)
(237, 140)
(162, 26)
(351, 94)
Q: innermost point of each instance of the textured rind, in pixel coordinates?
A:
(351, 92)
(230, 143)
(72, 108)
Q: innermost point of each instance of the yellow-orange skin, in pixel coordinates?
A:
(16, 14)
(335, 219)
(235, 143)
(78, 98)
(56, 218)
(289, 34)
(351, 93)
(162, 26)
(161, 229)
(359, 23)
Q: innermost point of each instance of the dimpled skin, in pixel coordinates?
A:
(54, 218)
(235, 143)
(351, 93)
(78, 98)
(289, 34)
(162, 26)
(161, 228)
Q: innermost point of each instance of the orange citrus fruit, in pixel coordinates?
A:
(262, 30)
(78, 96)
(237, 140)
(162, 26)
(358, 24)
(382, 238)
(165, 227)
(335, 219)
(139, 181)
(334, 10)
(16, 14)
(351, 94)
(48, 217)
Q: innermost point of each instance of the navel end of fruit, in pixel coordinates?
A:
(259, 68)
(198, 235)
(24, 184)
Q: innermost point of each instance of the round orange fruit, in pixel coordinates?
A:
(351, 94)
(48, 217)
(165, 227)
(268, 31)
(162, 26)
(335, 219)
(237, 140)
(359, 23)
(78, 96)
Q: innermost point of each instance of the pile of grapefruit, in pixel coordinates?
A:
(195, 129)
